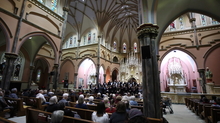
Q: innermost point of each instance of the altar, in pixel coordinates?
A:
(177, 88)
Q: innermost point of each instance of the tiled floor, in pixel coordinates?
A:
(181, 115)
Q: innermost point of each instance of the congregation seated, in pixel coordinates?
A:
(4, 105)
(120, 116)
(136, 116)
(111, 108)
(13, 93)
(81, 103)
(53, 105)
(41, 96)
(64, 100)
(57, 116)
(98, 96)
(7, 93)
(87, 97)
(213, 100)
(90, 101)
(217, 104)
(106, 102)
(100, 115)
(132, 101)
(118, 99)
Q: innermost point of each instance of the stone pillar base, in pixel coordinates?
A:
(209, 88)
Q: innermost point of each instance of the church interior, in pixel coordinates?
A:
(168, 47)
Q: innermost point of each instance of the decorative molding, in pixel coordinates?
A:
(47, 10)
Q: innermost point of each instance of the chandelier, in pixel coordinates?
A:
(131, 63)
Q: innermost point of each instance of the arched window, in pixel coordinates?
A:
(54, 5)
(71, 42)
(84, 43)
(74, 42)
(214, 21)
(124, 48)
(135, 47)
(181, 22)
(203, 20)
(89, 37)
(38, 75)
(172, 26)
(114, 46)
(115, 59)
(94, 37)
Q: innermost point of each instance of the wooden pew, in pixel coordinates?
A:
(84, 113)
(138, 107)
(154, 120)
(34, 102)
(17, 104)
(206, 112)
(2, 113)
(33, 117)
(215, 115)
(3, 120)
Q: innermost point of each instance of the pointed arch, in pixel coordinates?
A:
(7, 33)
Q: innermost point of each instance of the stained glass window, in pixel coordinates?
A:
(38, 75)
(114, 46)
(124, 48)
(93, 37)
(54, 5)
(41, 1)
(74, 41)
(203, 19)
(135, 47)
(89, 37)
(71, 41)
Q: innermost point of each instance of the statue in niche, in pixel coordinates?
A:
(176, 81)
(208, 75)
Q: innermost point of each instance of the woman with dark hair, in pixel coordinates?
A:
(100, 116)
(120, 116)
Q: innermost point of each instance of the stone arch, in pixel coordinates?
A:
(7, 33)
(67, 70)
(83, 60)
(46, 36)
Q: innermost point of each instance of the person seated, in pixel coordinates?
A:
(13, 93)
(90, 102)
(213, 100)
(57, 116)
(87, 97)
(81, 103)
(120, 116)
(106, 102)
(7, 93)
(98, 96)
(82, 96)
(132, 101)
(53, 105)
(4, 105)
(118, 98)
(111, 108)
(64, 100)
(41, 96)
(136, 116)
(217, 104)
(100, 115)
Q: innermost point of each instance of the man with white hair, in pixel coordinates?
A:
(13, 93)
(132, 101)
(41, 96)
(64, 100)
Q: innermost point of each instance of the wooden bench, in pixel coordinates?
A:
(91, 107)
(39, 116)
(3, 120)
(154, 120)
(138, 107)
(215, 115)
(17, 104)
(34, 102)
(84, 113)
(2, 113)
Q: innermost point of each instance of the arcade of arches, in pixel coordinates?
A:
(43, 44)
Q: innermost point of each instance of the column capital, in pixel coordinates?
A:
(79, 41)
(99, 36)
(202, 70)
(65, 9)
(56, 65)
(147, 29)
(11, 55)
(75, 74)
(32, 67)
(192, 19)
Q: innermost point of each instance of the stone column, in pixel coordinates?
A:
(8, 70)
(104, 78)
(55, 78)
(202, 80)
(30, 76)
(98, 60)
(150, 79)
(77, 55)
(75, 79)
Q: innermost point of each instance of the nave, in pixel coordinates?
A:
(181, 115)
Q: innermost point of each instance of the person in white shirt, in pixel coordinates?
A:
(41, 96)
(100, 116)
